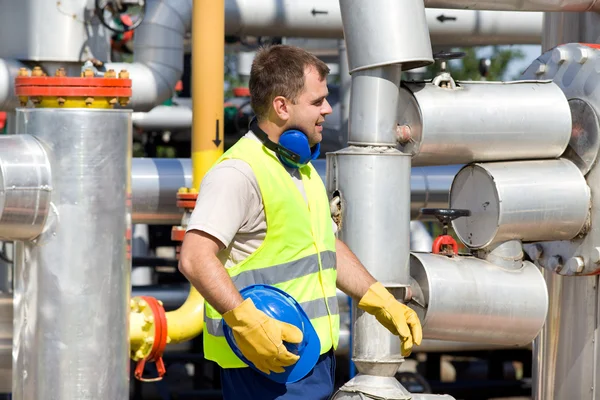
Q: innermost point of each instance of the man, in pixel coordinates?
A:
(262, 218)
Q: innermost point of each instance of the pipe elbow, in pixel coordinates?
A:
(187, 321)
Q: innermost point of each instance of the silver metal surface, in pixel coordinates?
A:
(574, 68)
(6, 333)
(523, 200)
(472, 300)
(523, 120)
(570, 27)
(507, 254)
(154, 185)
(365, 387)
(518, 5)
(375, 208)
(25, 187)
(584, 144)
(72, 283)
(291, 18)
(158, 52)
(402, 24)
(9, 70)
(51, 31)
(565, 354)
(374, 105)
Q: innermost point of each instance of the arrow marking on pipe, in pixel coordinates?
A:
(314, 12)
(443, 18)
(217, 140)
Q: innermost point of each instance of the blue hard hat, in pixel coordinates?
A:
(281, 306)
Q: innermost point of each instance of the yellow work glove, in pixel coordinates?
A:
(395, 316)
(260, 338)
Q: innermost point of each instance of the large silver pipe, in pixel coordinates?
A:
(556, 205)
(523, 119)
(154, 184)
(158, 52)
(72, 283)
(466, 299)
(518, 5)
(322, 19)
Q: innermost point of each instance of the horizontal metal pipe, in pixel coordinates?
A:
(155, 181)
(523, 120)
(518, 5)
(471, 300)
(303, 19)
(555, 207)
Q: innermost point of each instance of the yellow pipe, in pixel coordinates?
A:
(208, 55)
(187, 321)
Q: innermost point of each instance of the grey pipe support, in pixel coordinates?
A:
(507, 254)
(158, 52)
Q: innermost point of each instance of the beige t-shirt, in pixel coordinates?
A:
(230, 208)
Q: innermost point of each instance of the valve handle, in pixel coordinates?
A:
(448, 55)
(446, 215)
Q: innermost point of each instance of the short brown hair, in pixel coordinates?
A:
(279, 71)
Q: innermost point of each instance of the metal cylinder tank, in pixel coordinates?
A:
(72, 283)
(524, 200)
(375, 194)
(25, 187)
(471, 300)
(523, 120)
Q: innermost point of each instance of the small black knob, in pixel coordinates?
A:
(446, 215)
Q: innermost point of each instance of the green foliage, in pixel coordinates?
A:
(467, 68)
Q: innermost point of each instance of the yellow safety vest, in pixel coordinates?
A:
(297, 255)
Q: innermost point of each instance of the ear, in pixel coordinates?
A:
(281, 108)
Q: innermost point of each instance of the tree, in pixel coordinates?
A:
(468, 68)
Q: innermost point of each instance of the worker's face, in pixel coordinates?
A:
(311, 107)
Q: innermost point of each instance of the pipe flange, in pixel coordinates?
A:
(149, 335)
(575, 69)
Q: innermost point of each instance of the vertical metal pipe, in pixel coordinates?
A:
(72, 282)
(208, 30)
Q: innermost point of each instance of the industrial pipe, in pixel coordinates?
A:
(556, 205)
(155, 181)
(72, 283)
(322, 19)
(518, 5)
(25, 187)
(466, 299)
(158, 52)
(523, 119)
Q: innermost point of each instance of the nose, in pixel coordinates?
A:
(326, 110)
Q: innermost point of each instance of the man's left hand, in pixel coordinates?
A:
(395, 316)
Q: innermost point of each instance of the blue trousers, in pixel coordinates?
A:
(247, 384)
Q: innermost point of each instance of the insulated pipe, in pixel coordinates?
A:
(322, 19)
(72, 283)
(518, 5)
(155, 181)
(158, 52)
(9, 70)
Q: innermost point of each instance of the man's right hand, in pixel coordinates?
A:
(260, 338)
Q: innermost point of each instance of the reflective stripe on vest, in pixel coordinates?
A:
(297, 254)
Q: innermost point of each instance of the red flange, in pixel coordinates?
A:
(43, 86)
(160, 342)
(187, 200)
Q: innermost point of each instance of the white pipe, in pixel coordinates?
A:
(158, 52)
(322, 19)
(173, 118)
(9, 70)
(518, 5)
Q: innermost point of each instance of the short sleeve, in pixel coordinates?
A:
(225, 201)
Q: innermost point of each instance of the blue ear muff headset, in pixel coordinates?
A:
(293, 149)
